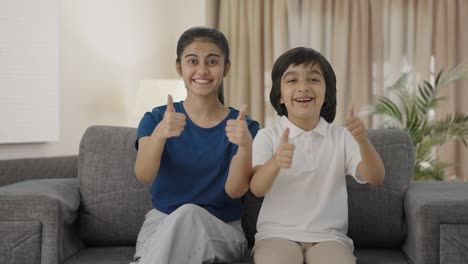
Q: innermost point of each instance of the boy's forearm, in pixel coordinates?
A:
(240, 172)
(371, 167)
(263, 178)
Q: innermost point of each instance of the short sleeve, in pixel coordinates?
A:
(253, 126)
(262, 148)
(352, 156)
(147, 124)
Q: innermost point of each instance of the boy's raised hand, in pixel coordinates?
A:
(173, 123)
(355, 126)
(237, 130)
(284, 152)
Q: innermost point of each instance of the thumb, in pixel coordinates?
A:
(350, 111)
(242, 111)
(170, 104)
(285, 136)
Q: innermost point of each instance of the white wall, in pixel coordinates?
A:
(106, 47)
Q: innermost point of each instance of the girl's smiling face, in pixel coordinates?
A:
(303, 93)
(202, 67)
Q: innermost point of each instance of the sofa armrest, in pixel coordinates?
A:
(437, 219)
(16, 170)
(39, 211)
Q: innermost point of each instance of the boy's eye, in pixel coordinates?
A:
(192, 61)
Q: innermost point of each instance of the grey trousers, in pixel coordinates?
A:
(189, 235)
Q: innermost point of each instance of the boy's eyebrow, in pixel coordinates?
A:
(289, 73)
(308, 72)
(316, 71)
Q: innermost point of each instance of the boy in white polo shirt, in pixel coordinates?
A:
(301, 163)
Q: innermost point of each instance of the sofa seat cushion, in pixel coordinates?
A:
(103, 255)
(124, 255)
(380, 256)
(106, 255)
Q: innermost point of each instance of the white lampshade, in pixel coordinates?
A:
(153, 93)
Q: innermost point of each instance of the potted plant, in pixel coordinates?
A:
(411, 108)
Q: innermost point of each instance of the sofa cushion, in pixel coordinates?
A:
(376, 214)
(114, 202)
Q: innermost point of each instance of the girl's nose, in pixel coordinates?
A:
(202, 69)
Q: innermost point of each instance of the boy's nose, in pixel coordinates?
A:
(303, 87)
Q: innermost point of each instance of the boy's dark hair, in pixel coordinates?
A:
(207, 34)
(308, 57)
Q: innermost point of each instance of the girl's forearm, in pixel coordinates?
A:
(240, 172)
(148, 158)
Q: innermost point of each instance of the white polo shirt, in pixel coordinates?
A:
(308, 202)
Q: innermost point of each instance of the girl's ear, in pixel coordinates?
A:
(178, 68)
(227, 67)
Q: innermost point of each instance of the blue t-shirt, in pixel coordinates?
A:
(195, 165)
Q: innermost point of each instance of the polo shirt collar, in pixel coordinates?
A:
(295, 131)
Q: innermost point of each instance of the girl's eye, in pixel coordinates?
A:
(291, 81)
(314, 80)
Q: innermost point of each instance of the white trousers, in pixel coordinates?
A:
(189, 235)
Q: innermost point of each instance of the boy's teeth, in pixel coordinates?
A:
(303, 99)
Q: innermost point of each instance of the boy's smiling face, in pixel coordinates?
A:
(303, 93)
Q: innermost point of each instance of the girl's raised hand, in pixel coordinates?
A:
(284, 152)
(237, 130)
(355, 126)
(173, 123)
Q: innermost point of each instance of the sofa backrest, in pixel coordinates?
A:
(114, 202)
(376, 214)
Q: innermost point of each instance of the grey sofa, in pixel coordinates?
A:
(89, 209)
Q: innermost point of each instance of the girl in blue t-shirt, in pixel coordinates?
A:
(197, 156)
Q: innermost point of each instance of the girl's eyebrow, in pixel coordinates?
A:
(209, 55)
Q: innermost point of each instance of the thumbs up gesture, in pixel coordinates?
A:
(355, 126)
(173, 123)
(237, 130)
(284, 152)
